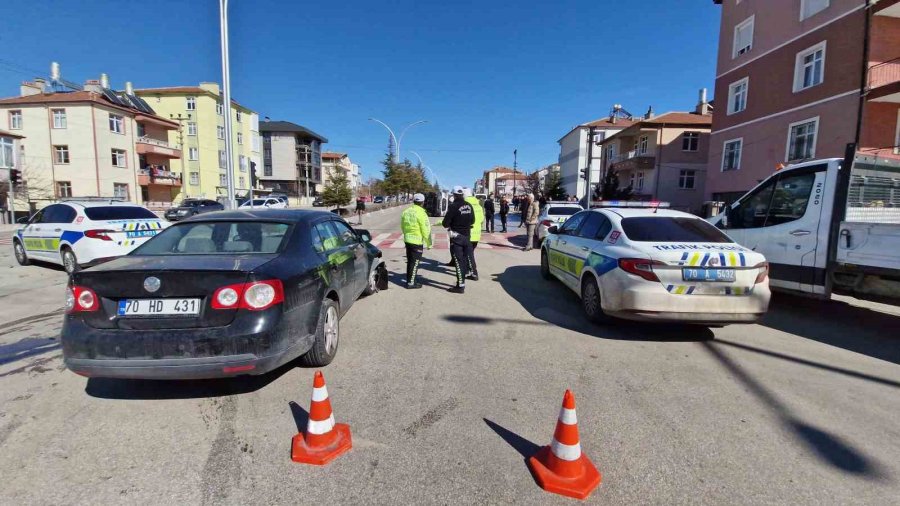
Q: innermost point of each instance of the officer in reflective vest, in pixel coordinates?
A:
(475, 236)
(416, 234)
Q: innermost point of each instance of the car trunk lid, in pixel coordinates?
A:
(703, 268)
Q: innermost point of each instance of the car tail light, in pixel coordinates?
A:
(640, 267)
(547, 223)
(81, 299)
(254, 296)
(763, 272)
(103, 235)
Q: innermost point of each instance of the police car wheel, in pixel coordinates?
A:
(590, 301)
(372, 283)
(325, 346)
(21, 256)
(545, 265)
(69, 261)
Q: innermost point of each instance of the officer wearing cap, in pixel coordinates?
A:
(416, 234)
(458, 221)
(475, 235)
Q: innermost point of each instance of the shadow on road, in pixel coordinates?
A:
(525, 447)
(837, 323)
(552, 303)
(830, 448)
(301, 416)
(27, 347)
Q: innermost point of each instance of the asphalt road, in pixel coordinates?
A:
(446, 395)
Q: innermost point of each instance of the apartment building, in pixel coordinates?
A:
(292, 159)
(89, 141)
(541, 175)
(800, 79)
(574, 150)
(663, 157)
(199, 112)
(332, 162)
(489, 180)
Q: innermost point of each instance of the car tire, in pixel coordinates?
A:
(590, 301)
(21, 254)
(69, 260)
(327, 337)
(545, 265)
(372, 283)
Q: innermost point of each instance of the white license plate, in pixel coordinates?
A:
(159, 307)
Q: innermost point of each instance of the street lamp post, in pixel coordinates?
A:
(226, 97)
(402, 133)
(436, 180)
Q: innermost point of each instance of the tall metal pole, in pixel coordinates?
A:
(226, 96)
(515, 170)
(396, 145)
(429, 169)
(404, 133)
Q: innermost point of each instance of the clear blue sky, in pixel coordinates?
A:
(490, 76)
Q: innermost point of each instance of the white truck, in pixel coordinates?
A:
(825, 226)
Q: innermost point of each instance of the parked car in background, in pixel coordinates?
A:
(231, 293)
(268, 202)
(555, 213)
(78, 234)
(318, 202)
(192, 207)
(378, 200)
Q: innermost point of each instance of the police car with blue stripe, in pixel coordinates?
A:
(642, 261)
(77, 234)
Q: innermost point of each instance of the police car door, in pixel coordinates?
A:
(587, 240)
(32, 235)
(565, 253)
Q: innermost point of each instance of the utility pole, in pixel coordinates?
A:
(588, 172)
(226, 96)
(515, 170)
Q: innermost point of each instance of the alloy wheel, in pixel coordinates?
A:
(331, 330)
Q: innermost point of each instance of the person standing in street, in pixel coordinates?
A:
(489, 215)
(475, 236)
(458, 221)
(523, 206)
(530, 218)
(416, 229)
(504, 211)
(360, 208)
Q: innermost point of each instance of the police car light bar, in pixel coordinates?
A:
(631, 203)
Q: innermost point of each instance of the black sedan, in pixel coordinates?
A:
(221, 294)
(192, 207)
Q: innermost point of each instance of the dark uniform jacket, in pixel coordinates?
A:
(460, 217)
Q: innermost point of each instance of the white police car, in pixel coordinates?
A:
(78, 234)
(639, 262)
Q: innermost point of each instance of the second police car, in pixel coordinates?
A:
(78, 234)
(628, 260)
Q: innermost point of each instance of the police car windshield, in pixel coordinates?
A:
(119, 213)
(220, 237)
(562, 211)
(671, 229)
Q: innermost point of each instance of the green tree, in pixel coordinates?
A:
(337, 192)
(554, 189)
(608, 189)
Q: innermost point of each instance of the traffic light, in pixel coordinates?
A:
(15, 177)
(584, 173)
(252, 174)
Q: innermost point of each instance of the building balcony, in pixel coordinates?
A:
(150, 146)
(883, 83)
(158, 175)
(634, 159)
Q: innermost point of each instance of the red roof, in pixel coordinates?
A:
(501, 170)
(680, 118)
(331, 154)
(606, 122)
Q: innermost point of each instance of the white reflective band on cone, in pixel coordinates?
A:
(566, 452)
(567, 416)
(319, 394)
(320, 426)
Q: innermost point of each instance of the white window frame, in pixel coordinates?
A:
(725, 150)
(195, 178)
(693, 135)
(242, 163)
(62, 117)
(223, 179)
(799, 67)
(190, 103)
(220, 109)
(193, 154)
(787, 147)
(643, 144)
(57, 151)
(116, 186)
(12, 123)
(240, 138)
(223, 159)
(238, 115)
(241, 182)
(640, 180)
(119, 158)
(804, 3)
(751, 21)
(745, 82)
(119, 122)
(683, 178)
(220, 132)
(192, 128)
(67, 185)
(7, 153)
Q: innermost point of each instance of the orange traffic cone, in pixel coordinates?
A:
(324, 440)
(561, 468)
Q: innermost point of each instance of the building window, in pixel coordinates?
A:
(731, 155)
(737, 95)
(118, 158)
(220, 132)
(267, 170)
(142, 131)
(640, 180)
(240, 138)
(116, 124)
(193, 154)
(809, 8)
(610, 153)
(642, 149)
(63, 189)
(810, 67)
(220, 109)
(690, 141)
(802, 140)
(631, 180)
(222, 158)
(60, 154)
(195, 178)
(6, 153)
(255, 137)
(15, 120)
(191, 103)
(223, 180)
(686, 179)
(238, 116)
(243, 163)
(59, 118)
(241, 182)
(192, 128)
(743, 37)
(120, 191)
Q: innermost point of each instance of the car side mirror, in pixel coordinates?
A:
(364, 235)
(553, 229)
(23, 221)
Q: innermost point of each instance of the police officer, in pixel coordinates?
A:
(458, 221)
(416, 234)
(475, 235)
(488, 206)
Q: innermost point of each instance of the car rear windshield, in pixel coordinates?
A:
(563, 211)
(671, 229)
(119, 213)
(256, 202)
(217, 238)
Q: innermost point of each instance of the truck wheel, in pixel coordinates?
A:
(21, 255)
(69, 260)
(327, 335)
(590, 301)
